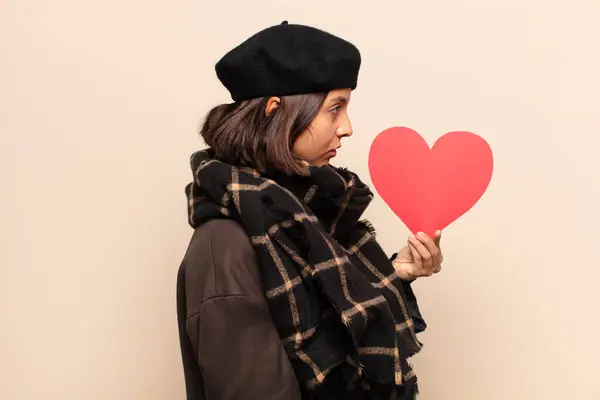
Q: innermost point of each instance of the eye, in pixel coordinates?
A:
(335, 109)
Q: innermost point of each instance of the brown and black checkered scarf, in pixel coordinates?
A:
(335, 298)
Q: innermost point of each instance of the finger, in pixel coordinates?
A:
(428, 250)
(417, 260)
(424, 254)
(433, 247)
(427, 241)
(437, 238)
(420, 270)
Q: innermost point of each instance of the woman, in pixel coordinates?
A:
(284, 292)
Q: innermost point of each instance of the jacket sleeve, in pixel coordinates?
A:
(238, 348)
(413, 306)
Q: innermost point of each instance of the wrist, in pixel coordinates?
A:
(405, 273)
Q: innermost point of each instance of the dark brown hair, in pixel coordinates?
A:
(242, 134)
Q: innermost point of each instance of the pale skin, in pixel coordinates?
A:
(422, 256)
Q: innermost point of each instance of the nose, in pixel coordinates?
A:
(345, 128)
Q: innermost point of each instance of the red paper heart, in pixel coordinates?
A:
(428, 189)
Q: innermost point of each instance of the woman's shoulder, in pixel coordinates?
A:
(221, 261)
(222, 233)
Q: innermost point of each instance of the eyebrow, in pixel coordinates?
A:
(339, 99)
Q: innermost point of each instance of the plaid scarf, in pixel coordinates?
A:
(335, 298)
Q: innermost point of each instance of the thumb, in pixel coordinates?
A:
(437, 238)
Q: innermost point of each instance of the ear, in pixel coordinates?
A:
(272, 104)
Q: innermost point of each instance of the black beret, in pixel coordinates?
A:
(289, 59)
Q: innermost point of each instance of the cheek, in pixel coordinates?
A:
(322, 133)
(299, 144)
(315, 141)
(307, 145)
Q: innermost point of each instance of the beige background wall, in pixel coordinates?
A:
(99, 105)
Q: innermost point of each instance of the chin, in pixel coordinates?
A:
(319, 163)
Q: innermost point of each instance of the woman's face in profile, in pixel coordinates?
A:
(318, 144)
